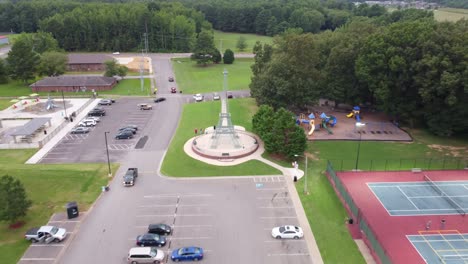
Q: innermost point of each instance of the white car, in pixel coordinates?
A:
(87, 123)
(95, 118)
(287, 231)
(216, 96)
(198, 97)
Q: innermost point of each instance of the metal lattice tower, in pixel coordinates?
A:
(225, 128)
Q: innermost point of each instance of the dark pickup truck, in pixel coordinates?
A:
(130, 177)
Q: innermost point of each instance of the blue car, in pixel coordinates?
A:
(187, 254)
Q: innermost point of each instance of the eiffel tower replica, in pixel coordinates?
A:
(225, 132)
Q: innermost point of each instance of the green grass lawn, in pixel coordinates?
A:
(5, 103)
(14, 89)
(202, 115)
(50, 187)
(450, 14)
(225, 40)
(130, 87)
(192, 78)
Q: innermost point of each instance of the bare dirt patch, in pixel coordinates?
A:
(453, 151)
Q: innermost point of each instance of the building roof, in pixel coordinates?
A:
(88, 58)
(30, 127)
(75, 81)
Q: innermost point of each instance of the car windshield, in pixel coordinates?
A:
(181, 251)
(282, 229)
(153, 252)
(54, 230)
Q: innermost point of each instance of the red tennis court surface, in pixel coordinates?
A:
(374, 207)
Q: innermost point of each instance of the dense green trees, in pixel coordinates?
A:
(52, 63)
(279, 131)
(14, 202)
(3, 72)
(22, 61)
(414, 70)
(228, 57)
(114, 69)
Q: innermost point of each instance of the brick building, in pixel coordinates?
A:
(74, 84)
(87, 62)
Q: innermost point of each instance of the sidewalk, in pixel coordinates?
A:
(49, 145)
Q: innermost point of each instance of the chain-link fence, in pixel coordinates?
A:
(400, 164)
(366, 229)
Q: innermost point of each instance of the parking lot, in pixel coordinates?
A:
(91, 147)
(224, 221)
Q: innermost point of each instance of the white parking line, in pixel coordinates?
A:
(189, 238)
(47, 245)
(288, 254)
(276, 207)
(34, 259)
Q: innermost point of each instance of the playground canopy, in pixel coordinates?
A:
(31, 127)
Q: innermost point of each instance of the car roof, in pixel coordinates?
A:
(139, 250)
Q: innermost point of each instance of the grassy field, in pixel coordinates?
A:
(450, 14)
(5, 103)
(193, 78)
(202, 115)
(224, 40)
(130, 87)
(50, 187)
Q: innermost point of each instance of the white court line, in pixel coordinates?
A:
(432, 209)
(441, 240)
(437, 196)
(288, 254)
(409, 199)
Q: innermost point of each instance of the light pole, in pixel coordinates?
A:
(64, 106)
(358, 151)
(107, 150)
(305, 173)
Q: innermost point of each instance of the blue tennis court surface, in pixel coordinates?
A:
(442, 248)
(422, 198)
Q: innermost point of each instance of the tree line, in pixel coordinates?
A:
(414, 70)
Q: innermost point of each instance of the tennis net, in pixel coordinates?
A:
(449, 199)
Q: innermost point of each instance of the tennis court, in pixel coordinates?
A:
(447, 246)
(408, 217)
(422, 198)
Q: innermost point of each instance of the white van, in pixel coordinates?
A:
(87, 123)
(145, 255)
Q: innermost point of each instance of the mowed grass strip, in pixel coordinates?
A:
(50, 187)
(202, 115)
(192, 78)
(226, 40)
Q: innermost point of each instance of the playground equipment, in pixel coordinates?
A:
(355, 113)
(310, 121)
(328, 120)
(50, 104)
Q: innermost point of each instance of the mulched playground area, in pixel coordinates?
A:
(408, 217)
(378, 127)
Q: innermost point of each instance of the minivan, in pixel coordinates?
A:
(145, 255)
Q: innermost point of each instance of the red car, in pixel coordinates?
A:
(173, 90)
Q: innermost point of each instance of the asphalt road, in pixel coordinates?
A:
(231, 218)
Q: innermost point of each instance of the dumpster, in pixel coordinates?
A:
(72, 210)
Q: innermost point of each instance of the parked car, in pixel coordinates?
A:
(159, 99)
(97, 112)
(124, 135)
(145, 107)
(151, 240)
(46, 234)
(145, 255)
(105, 102)
(198, 97)
(230, 95)
(171, 79)
(160, 229)
(95, 118)
(187, 254)
(80, 130)
(216, 96)
(87, 123)
(129, 126)
(173, 90)
(287, 231)
(128, 129)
